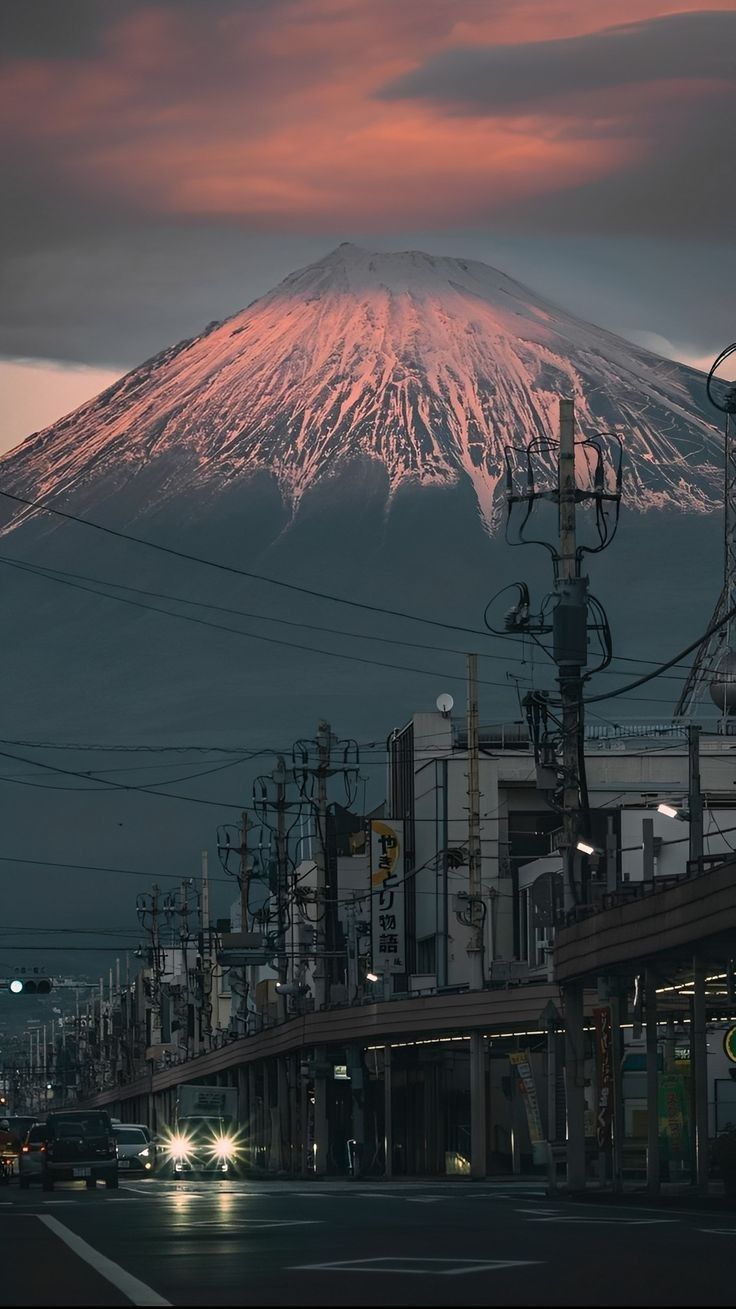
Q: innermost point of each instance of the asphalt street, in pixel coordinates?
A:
(289, 1243)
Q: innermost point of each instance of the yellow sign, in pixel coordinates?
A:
(729, 1044)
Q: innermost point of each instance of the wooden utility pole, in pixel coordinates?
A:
(475, 945)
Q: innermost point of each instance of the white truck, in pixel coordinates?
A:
(204, 1138)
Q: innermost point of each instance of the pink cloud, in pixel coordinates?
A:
(271, 117)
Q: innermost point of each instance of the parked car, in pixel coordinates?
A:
(30, 1160)
(79, 1145)
(136, 1151)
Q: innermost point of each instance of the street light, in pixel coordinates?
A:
(585, 848)
(670, 811)
(16, 986)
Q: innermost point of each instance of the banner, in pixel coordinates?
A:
(604, 1065)
(387, 896)
(674, 1118)
(521, 1061)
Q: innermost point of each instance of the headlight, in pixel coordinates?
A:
(224, 1147)
(178, 1147)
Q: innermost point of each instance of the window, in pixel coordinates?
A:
(130, 1136)
(89, 1125)
(426, 955)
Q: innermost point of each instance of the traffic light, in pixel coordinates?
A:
(28, 985)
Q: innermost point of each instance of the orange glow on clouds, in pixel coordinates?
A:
(273, 117)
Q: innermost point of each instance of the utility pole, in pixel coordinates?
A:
(279, 777)
(475, 945)
(570, 642)
(206, 951)
(563, 747)
(695, 797)
(324, 738)
(244, 881)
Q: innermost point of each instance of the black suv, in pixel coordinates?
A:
(79, 1144)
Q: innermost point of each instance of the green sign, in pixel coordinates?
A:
(674, 1118)
(729, 1044)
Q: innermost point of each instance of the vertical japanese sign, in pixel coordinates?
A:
(674, 1118)
(387, 896)
(604, 1064)
(521, 1061)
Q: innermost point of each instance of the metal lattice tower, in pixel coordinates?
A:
(716, 648)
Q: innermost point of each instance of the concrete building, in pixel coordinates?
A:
(416, 1072)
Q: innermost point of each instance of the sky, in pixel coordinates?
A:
(165, 162)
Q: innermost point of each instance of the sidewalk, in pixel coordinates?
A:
(675, 1195)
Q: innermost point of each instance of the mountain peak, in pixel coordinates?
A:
(426, 365)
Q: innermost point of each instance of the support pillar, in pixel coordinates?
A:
(292, 1137)
(242, 1085)
(280, 1161)
(321, 1128)
(619, 1117)
(304, 1152)
(357, 1109)
(650, 1001)
(575, 1085)
(699, 1057)
(388, 1135)
(478, 1105)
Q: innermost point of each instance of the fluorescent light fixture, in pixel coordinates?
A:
(584, 848)
(667, 809)
(372, 977)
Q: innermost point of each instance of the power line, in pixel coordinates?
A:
(69, 577)
(294, 645)
(38, 506)
(715, 627)
(253, 636)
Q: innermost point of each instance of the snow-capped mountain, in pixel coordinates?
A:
(275, 442)
(426, 366)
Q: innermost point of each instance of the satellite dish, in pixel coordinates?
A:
(445, 703)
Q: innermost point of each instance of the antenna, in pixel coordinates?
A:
(445, 704)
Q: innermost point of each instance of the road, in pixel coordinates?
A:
(158, 1242)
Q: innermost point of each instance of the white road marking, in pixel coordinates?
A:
(390, 1265)
(539, 1217)
(719, 1231)
(136, 1291)
(424, 1199)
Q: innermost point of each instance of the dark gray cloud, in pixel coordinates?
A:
(664, 89)
(53, 29)
(76, 29)
(690, 46)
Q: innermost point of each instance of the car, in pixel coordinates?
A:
(13, 1130)
(79, 1145)
(30, 1159)
(136, 1151)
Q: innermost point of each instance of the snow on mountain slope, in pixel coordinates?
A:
(428, 365)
